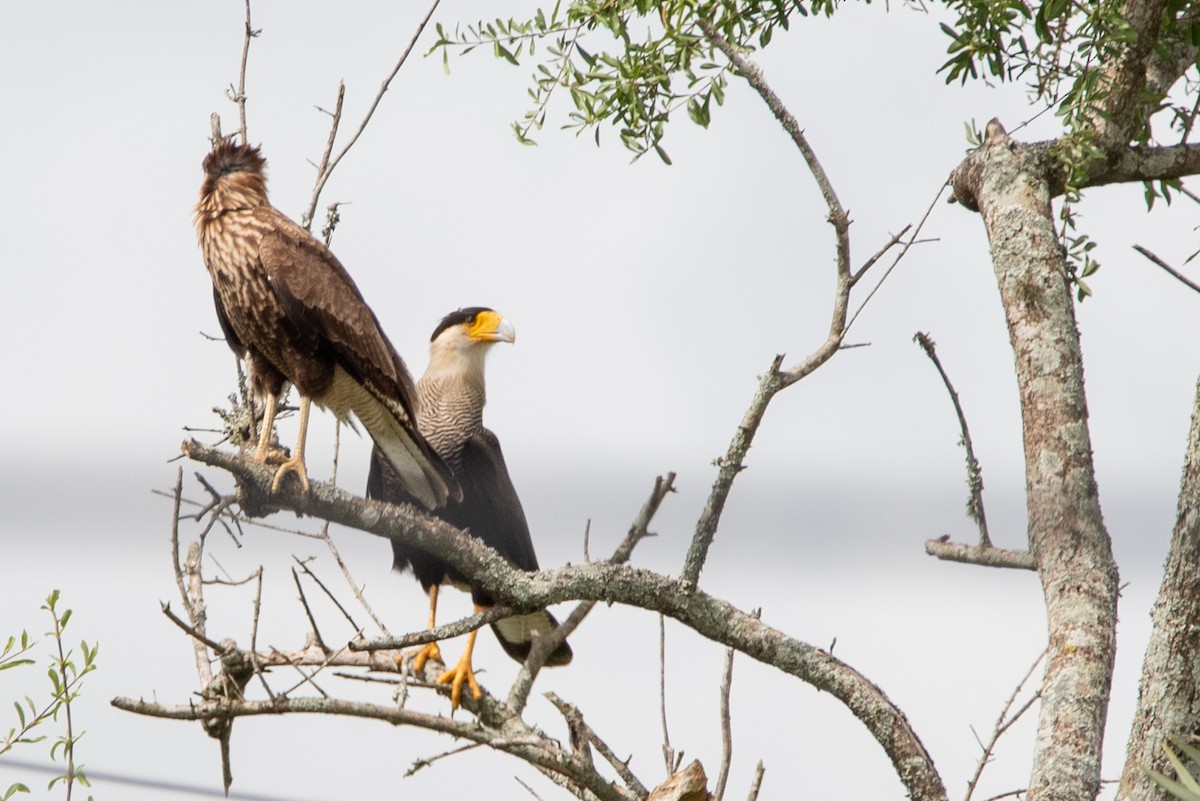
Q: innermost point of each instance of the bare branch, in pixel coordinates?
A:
(975, 508)
(707, 616)
(323, 175)
(668, 751)
(1003, 724)
(756, 784)
(525, 743)
(729, 467)
(1171, 270)
(985, 555)
(240, 96)
(726, 728)
(546, 645)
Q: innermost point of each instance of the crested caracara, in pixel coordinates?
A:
(450, 399)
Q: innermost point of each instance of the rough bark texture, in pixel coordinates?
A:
(1066, 532)
(1167, 697)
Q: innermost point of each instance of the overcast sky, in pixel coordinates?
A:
(647, 299)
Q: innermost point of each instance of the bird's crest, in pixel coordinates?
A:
(235, 166)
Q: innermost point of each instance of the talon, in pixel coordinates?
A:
(293, 465)
(426, 652)
(462, 672)
(455, 677)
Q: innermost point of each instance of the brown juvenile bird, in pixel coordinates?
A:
(289, 308)
(451, 397)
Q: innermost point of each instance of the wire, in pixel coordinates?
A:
(149, 784)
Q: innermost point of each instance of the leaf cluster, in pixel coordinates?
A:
(65, 673)
(629, 63)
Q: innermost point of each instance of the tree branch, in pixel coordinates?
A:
(711, 618)
(323, 175)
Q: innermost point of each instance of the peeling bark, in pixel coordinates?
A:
(1167, 695)
(1010, 184)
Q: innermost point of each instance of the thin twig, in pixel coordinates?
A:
(548, 643)
(357, 590)
(1003, 723)
(726, 728)
(975, 508)
(668, 751)
(1174, 273)
(912, 240)
(425, 762)
(192, 631)
(346, 614)
(312, 621)
(575, 719)
(756, 783)
(240, 97)
(323, 175)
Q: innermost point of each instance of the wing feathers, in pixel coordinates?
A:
(423, 473)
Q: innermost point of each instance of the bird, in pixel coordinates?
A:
(288, 307)
(451, 396)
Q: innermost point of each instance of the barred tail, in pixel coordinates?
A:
(516, 635)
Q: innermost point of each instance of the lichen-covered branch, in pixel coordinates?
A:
(1067, 537)
(1169, 693)
(708, 616)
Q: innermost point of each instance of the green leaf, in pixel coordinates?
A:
(662, 154)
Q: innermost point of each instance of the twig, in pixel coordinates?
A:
(1003, 723)
(312, 621)
(443, 632)
(879, 254)
(547, 644)
(984, 555)
(912, 240)
(346, 614)
(323, 175)
(337, 557)
(197, 635)
(975, 508)
(726, 728)
(729, 467)
(756, 783)
(1174, 273)
(621, 766)
(240, 97)
(668, 751)
(425, 762)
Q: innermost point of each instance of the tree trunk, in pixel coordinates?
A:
(1008, 183)
(1167, 696)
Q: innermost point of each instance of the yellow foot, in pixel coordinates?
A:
(455, 678)
(421, 656)
(293, 465)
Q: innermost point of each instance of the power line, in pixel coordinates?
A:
(143, 783)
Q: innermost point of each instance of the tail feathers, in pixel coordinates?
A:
(419, 468)
(516, 635)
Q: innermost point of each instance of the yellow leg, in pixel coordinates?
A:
(463, 671)
(296, 463)
(429, 650)
(264, 437)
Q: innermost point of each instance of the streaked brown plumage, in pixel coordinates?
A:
(289, 308)
(452, 394)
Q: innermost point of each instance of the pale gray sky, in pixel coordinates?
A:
(647, 299)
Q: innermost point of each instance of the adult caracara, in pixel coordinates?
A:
(289, 308)
(450, 397)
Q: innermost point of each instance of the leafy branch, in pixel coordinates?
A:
(66, 678)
